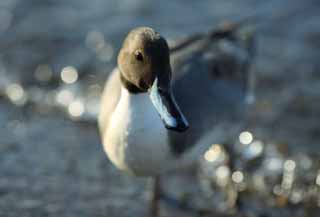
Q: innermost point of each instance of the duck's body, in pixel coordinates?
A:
(135, 138)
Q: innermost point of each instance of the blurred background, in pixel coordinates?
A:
(54, 58)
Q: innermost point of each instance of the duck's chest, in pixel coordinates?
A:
(136, 139)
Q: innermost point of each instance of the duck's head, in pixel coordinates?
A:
(144, 66)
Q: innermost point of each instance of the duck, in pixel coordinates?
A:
(164, 105)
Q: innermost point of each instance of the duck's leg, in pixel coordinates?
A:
(156, 195)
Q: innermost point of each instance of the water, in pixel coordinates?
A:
(52, 164)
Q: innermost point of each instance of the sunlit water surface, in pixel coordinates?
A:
(55, 57)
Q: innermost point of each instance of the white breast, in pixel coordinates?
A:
(136, 139)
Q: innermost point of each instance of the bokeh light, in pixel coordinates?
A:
(95, 41)
(76, 109)
(245, 137)
(64, 97)
(223, 174)
(16, 94)
(213, 153)
(69, 75)
(253, 150)
(237, 177)
(274, 164)
(289, 165)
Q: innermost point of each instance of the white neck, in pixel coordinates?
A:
(136, 134)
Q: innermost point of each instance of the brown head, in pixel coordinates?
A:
(143, 57)
(144, 65)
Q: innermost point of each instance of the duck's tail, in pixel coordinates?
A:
(224, 30)
(242, 36)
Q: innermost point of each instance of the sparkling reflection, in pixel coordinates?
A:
(278, 179)
(296, 196)
(69, 75)
(253, 150)
(64, 97)
(274, 164)
(16, 94)
(96, 42)
(245, 137)
(237, 177)
(289, 165)
(76, 109)
(213, 153)
(223, 174)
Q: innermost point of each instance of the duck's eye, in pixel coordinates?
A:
(139, 56)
